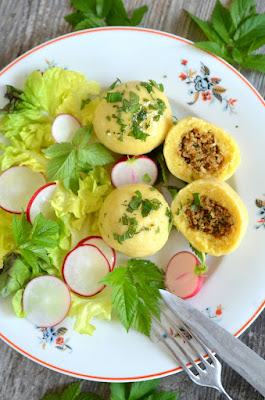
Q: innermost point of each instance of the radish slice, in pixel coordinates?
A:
(108, 251)
(64, 127)
(39, 203)
(180, 278)
(140, 169)
(46, 301)
(17, 186)
(83, 268)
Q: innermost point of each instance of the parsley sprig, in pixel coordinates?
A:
(234, 34)
(95, 13)
(119, 391)
(135, 293)
(69, 160)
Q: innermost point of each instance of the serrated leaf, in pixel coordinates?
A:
(43, 230)
(103, 7)
(72, 391)
(163, 396)
(240, 9)
(91, 20)
(251, 29)
(119, 391)
(146, 272)
(84, 5)
(150, 302)
(140, 390)
(208, 30)
(117, 14)
(30, 258)
(115, 277)
(74, 18)
(95, 154)
(59, 149)
(124, 299)
(88, 396)
(215, 49)
(255, 62)
(142, 319)
(51, 397)
(222, 22)
(256, 44)
(61, 167)
(82, 136)
(21, 229)
(137, 15)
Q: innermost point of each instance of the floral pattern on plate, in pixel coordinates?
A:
(261, 213)
(205, 87)
(53, 336)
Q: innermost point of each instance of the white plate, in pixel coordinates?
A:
(233, 294)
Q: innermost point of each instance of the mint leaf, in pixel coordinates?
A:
(240, 9)
(255, 62)
(256, 44)
(84, 5)
(51, 397)
(74, 18)
(119, 391)
(252, 28)
(222, 22)
(208, 30)
(91, 20)
(72, 391)
(140, 390)
(103, 7)
(137, 15)
(117, 14)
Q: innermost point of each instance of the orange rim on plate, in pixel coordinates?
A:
(262, 306)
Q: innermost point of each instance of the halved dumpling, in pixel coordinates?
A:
(196, 149)
(211, 216)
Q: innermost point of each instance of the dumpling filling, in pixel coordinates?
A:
(200, 151)
(209, 217)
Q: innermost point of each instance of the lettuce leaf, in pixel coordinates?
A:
(28, 126)
(7, 242)
(84, 310)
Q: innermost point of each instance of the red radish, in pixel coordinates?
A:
(180, 277)
(39, 203)
(108, 251)
(140, 169)
(83, 268)
(17, 186)
(64, 127)
(46, 301)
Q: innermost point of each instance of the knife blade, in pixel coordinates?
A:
(234, 352)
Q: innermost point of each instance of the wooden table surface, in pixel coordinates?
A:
(27, 23)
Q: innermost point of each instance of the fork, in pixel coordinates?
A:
(209, 373)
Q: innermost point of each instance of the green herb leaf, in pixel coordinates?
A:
(252, 28)
(127, 294)
(222, 22)
(196, 199)
(84, 103)
(137, 15)
(95, 154)
(163, 396)
(202, 268)
(114, 97)
(215, 49)
(146, 178)
(163, 167)
(117, 14)
(112, 86)
(255, 62)
(51, 397)
(91, 20)
(208, 30)
(72, 391)
(74, 18)
(103, 7)
(119, 391)
(84, 5)
(143, 389)
(240, 9)
(169, 215)
(88, 396)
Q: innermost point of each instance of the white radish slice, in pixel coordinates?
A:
(108, 251)
(180, 278)
(64, 127)
(17, 186)
(140, 169)
(83, 268)
(46, 301)
(39, 203)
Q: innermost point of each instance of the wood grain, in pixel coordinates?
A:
(27, 23)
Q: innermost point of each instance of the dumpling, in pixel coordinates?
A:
(135, 220)
(196, 149)
(133, 118)
(211, 215)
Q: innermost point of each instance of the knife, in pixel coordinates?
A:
(235, 353)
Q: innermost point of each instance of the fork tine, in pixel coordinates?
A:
(184, 338)
(182, 364)
(190, 359)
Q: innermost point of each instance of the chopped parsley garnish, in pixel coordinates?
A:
(137, 133)
(159, 86)
(158, 230)
(196, 199)
(179, 209)
(175, 120)
(108, 117)
(112, 86)
(146, 178)
(146, 206)
(114, 97)
(132, 227)
(168, 214)
(147, 86)
(84, 103)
